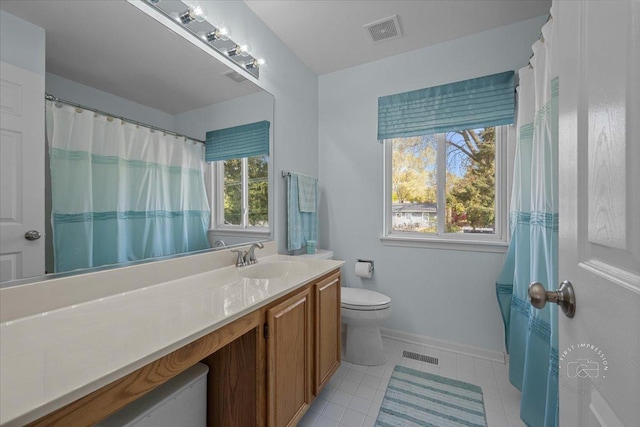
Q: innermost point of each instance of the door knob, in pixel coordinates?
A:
(564, 297)
(32, 235)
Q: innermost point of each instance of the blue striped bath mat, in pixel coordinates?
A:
(415, 398)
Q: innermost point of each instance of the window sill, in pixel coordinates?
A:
(248, 232)
(447, 244)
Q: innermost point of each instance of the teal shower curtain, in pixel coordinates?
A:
(532, 335)
(122, 192)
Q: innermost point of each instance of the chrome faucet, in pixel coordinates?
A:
(240, 257)
(248, 257)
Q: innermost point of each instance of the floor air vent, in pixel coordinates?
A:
(420, 357)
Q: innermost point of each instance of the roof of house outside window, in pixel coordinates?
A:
(414, 208)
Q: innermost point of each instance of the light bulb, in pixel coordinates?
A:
(239, 49)
(220, 33)
(243, 50)
(199, 12)
(195, 12)
(256, 63)
(223, 31)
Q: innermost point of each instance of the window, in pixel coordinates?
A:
(240, 171)
(445, 185)
(445, 163)
(241, 193)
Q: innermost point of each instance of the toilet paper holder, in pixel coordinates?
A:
(370, 261)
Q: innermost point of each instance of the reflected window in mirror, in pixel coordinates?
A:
(240, 159)
(242, 193)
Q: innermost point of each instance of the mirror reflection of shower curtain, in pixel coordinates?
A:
(122, 192)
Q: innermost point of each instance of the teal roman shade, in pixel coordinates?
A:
(239, 141)
(468, 104)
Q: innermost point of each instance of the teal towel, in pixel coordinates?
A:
(301, 226)
(307, 187)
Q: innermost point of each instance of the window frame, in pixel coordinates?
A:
(216, 193)
(497, 242)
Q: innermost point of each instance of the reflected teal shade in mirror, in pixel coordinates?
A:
(237, 142)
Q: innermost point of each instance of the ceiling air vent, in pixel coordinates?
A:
(385, 29)
(235, 76)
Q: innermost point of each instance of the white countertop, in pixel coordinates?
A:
(50, 359)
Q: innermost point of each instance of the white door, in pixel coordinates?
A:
(599, 349)
(21, 172)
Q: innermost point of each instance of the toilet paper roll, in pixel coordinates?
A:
(364, 269)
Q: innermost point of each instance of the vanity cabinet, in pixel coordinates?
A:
(303, 349)
(327, 330)
(265, 368)
(288, 335)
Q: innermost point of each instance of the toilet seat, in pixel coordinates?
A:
(363, 300)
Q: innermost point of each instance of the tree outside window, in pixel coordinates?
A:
(246, 192)
(459, 186)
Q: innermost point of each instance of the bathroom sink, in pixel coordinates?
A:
(269, 270)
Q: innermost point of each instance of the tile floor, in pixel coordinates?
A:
(352, 398)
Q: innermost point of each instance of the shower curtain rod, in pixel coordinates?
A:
(50, 97)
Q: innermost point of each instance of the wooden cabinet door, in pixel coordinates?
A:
(327, 329)
(289, 383)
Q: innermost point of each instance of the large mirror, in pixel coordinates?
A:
(112, 57)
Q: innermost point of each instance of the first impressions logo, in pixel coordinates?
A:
(583, 360)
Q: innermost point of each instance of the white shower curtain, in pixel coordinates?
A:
(531, 334)
(122, 192)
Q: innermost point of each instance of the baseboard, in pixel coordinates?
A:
(483, 353)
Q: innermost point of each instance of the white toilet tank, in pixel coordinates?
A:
(321, 254)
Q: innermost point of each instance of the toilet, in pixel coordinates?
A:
(362, 311)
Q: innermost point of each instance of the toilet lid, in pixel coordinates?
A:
(363, 299)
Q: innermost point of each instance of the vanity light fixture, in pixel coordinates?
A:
(216, 37)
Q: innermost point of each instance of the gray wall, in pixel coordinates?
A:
(443, 294)
(86, 95)
(21, 43)
(239, 111)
